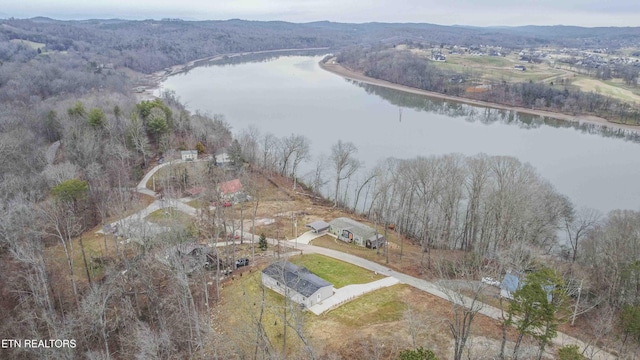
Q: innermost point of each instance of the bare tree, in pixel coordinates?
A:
(577, 225)
(464, 308)
(344, 164)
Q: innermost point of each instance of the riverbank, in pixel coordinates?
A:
(338, 69)
(152, 82)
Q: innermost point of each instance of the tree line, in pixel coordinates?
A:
(406, 68)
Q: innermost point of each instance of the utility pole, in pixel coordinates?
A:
(575, 311)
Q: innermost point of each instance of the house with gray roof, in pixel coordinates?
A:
(297, 283)
(351, 231)
(189, 155)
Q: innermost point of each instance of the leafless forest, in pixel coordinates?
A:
(74, 142)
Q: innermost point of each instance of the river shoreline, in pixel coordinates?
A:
(346, 73)
(152, 82)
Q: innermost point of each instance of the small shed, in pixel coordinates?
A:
(318, 226)
(189, 155)
(195, 191)
(296, 282)
(349, 230)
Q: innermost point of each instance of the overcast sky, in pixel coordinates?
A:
(445, 12)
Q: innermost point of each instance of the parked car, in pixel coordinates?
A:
(242, 262)
(224, 204)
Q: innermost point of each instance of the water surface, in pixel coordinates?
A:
(292, 94)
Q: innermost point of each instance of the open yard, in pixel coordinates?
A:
(607, 89)
(337, 272)
(170, 216)
(378, 324)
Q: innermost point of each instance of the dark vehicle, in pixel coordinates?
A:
(242, 262)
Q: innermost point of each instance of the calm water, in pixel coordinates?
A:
(291, 94)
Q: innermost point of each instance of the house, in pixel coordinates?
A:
(351, 231)
(318, 226)
(189, 155)
(439, 57)
(296, 282)
(520, 67)
(232, 190)
(512, 282)
(222, 159)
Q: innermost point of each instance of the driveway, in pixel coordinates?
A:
(351, 292)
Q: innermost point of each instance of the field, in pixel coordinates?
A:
(32, 44)
(613, 89)
(501, 68)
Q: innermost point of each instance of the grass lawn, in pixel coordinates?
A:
(337, 272)
(169, 216)
(380, 306)
(197, 203)
(607, 89)
(330, 242)
(32, 44)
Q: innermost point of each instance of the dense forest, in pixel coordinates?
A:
(74, 142)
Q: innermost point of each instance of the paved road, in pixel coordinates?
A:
(560, 340)
(302, 244)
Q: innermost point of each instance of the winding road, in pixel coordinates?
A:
(303, 245)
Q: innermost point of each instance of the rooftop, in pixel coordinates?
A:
(230, 187)
(296, 277)
(355, 227)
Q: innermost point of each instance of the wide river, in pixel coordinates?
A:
(292, 94)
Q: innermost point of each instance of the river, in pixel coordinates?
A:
(292, 94)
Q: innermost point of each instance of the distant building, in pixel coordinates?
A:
(520, 67)
(439, 57)
(189, 155)
(297, 283)
(351, 231)
(222, 159)
(232, 190)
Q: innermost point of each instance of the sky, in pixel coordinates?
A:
(587, 13)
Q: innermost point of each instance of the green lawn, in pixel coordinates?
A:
(32, 44)
(377, 307)
(169, 216)
(337, 272)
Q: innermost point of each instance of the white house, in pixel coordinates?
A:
(187, 155)
(296, 282)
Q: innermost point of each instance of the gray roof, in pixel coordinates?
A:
(318, 226)
(510, 283)
(296, 277)
(189, 152)
(359, 229)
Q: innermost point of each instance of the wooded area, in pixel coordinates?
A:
(74, 142)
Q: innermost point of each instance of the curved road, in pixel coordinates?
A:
(302, 244)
